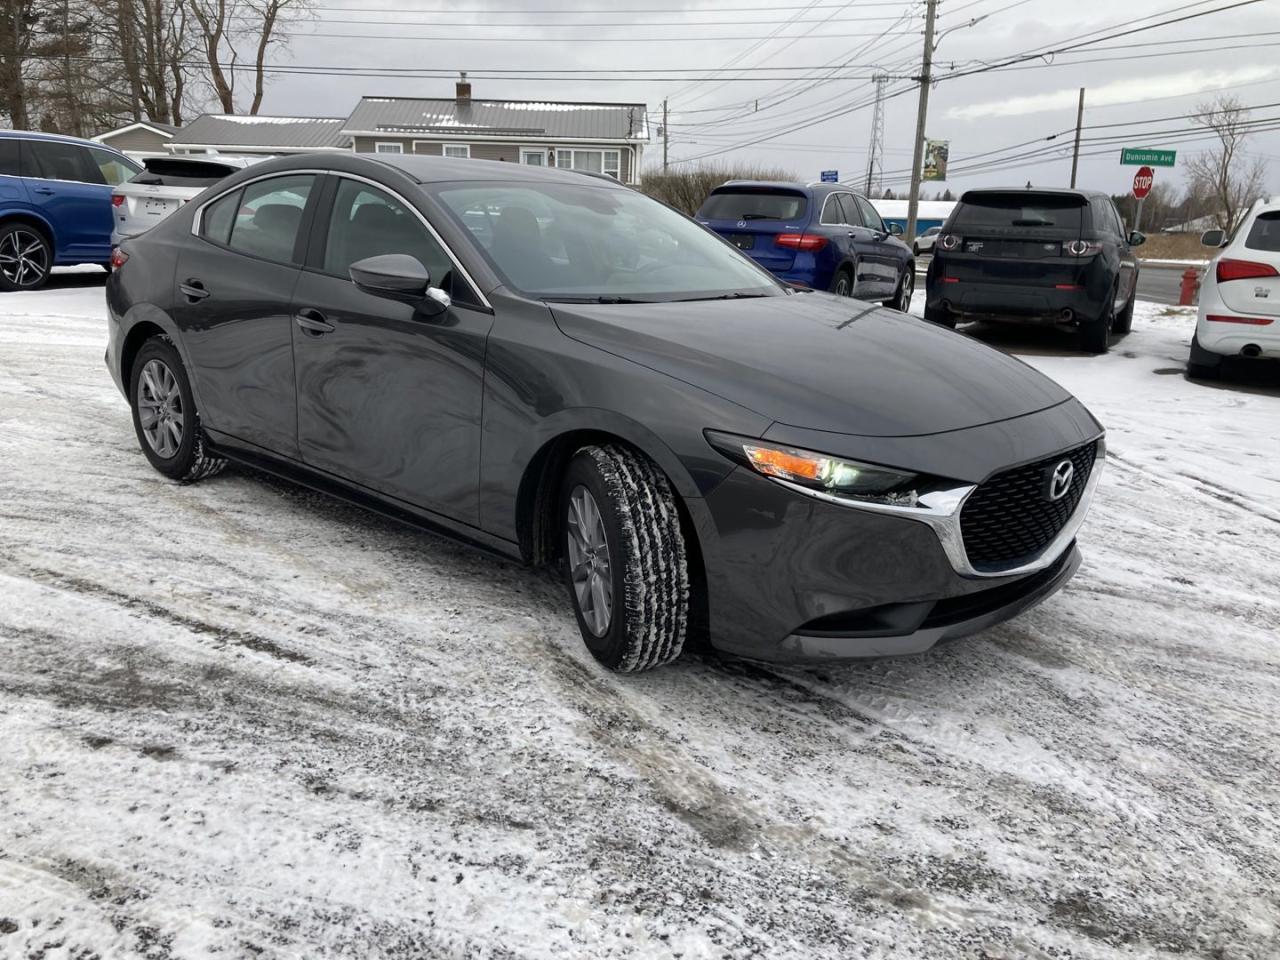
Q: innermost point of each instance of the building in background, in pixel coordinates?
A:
(932, 213)
(258, 136)
(604, 138)
(139, 139)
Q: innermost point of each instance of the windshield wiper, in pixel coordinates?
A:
(604, 299)
(736, 295)
(755, 216)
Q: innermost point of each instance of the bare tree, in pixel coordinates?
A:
(1223, 173)
(224, 26)
(22, 24)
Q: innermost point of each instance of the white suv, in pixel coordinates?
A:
(1240, 294)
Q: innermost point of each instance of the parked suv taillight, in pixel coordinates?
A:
(949, 241)
(800, 241)
(118, 258)
(1243, 270)
(117, 199)
(1082, 248)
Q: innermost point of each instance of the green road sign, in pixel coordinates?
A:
(1141, 157)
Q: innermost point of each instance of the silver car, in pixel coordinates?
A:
(163, 186)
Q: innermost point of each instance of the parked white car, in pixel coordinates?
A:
(926, 240)
(163, 186)
(1240, 293)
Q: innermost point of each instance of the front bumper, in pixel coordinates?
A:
(791, 577)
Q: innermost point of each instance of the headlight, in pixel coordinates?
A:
(823, 474)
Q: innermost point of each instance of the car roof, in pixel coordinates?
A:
(819, 188)
(1057, 191)
(57, 137)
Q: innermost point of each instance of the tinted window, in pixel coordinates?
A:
(366, 222)
(10, 165)
(869, 215)
(754, 205)
(176, 172)
(56, 160)
(1265, 232)
(1104, 217)
(216, 221)
(1018, 210)
(266, 225)
(850, 210)
(832, 212)
(565, 241)
(113, 168)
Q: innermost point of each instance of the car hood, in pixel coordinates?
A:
(820, 362)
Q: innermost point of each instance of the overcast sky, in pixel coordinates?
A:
(977, 114)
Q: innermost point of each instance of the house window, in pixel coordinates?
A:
(382, 147)
(461, 151)
(534, 158)
(591, 161)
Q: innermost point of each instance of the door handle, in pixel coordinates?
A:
(43, 190)
(312, 322)
(193, 290)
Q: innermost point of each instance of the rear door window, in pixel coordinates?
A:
(1011, 210)
(266, 224)
(1265, 232)
(754, 205)
(10, 161)
(851, 215)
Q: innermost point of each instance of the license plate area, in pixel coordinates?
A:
(1014, 249)
(743, 241)
(155, 206)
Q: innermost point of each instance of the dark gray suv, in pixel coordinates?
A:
(557, 368)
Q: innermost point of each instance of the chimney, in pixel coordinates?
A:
(463, 89)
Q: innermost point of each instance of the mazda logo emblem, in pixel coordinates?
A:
(1060, 480)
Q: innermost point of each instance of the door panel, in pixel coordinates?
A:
(66, 186)
(885, 256)
(390, 397)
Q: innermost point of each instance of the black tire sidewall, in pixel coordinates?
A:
(847, 272)
(612, 647)
(177, 466)
(8, 287)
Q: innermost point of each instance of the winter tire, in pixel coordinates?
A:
(842, 283)
(941, 316)
(1201, 364)
(25, 257)
(906, 288)
(1124, 319)
(164, 414)
(1095, 335)
(624, 558)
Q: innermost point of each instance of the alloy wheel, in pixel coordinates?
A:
(906, 289)
(160, 409)
(24, 258)
(589, 561)
(842, 285)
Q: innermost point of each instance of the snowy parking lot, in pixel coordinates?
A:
(240, 719)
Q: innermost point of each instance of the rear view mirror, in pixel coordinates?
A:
(895, 229)
(1212, 238)
(398, 276)
(1137, 238)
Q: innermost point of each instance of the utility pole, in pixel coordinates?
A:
(875, 152)
(1075, 153)
(913, 202)
(666, 135)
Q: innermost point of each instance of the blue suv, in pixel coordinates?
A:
(55, 204)
(819, 235)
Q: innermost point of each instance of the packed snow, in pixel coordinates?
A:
(243, 720)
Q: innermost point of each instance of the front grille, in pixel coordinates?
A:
(1010, 519)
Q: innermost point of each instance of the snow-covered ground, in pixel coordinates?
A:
(242, 720)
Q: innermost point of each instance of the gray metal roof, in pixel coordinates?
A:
(284, 133)
(513, 119)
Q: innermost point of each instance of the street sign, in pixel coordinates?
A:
(1142, 181)
(830, 176)
(1142, 157)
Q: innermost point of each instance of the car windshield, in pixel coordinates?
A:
(570, 242)
(753, 204)
(1265, 233)
(1019, 209)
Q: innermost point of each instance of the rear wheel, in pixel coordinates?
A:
(625, 562)
(1095, 335)
(25, 257)
(1124, 319)
(842, 283)
(1201, 364)
(906, 288)
(164, 414)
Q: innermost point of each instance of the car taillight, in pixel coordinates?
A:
(117, 199)
(949, 241)
(1082, 248)
(118, 258)
(800, 241)
(1243, 270)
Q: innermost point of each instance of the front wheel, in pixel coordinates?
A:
(25, 258)
(624, 558)
(164, 414)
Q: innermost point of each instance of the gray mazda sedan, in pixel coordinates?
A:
(558, 369)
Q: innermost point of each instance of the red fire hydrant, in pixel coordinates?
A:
(1190, 287)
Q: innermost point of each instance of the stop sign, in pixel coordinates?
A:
(1142, 181)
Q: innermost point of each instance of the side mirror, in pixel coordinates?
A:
(895, 229)
(1213, 238)
(398, 276)
(1137, 239)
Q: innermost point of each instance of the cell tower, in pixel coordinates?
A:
(875, 147)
